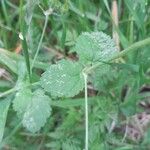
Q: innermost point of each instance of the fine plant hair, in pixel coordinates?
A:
(75, 101)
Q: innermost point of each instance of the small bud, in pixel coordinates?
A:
(21, 36)
(48, 12)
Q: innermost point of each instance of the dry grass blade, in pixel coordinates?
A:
(115, 22)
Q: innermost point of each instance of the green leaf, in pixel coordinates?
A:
(68, 103)
(30, 9)
(63, 79)
(128, 147)
(22, 98)
(129, 106)
(33, 35)
(102, 76)
(53, 145)
(37, 111)
(26, 55)
(95, 47)
(8, 62)
(4, 105)
(70, 120)
(137, 9)
(147, 137)
(104, 107)
(24, 95)
(24, 28)
(71, 144)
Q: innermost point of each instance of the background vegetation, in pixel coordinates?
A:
(118, 98)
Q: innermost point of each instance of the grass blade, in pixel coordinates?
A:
(23, 29)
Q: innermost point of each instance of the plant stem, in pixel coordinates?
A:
(40, 43)
(131, 48)
(17, 57)
(14, 89)
(86, 112)
(7, 92)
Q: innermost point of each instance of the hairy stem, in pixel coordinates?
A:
(86, 112)
(131, 48)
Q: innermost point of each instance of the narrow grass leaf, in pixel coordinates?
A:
(4, 105)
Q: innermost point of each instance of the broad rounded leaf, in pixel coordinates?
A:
(94, 47)
(22, 99)
(63, 79)
(37, 112)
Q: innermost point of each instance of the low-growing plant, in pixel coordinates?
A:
(99, 87)
(66, 78)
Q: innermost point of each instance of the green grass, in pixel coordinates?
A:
(113, 98)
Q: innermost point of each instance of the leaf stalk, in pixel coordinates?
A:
(131, 48)
(86, 112)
